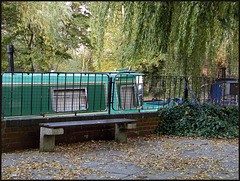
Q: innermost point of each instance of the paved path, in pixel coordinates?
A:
(150, 157)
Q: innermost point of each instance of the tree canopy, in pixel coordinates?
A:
(172, 37)
(184, 35)
(42, 32)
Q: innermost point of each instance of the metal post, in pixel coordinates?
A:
(102, 85)
(94, 92)
(109, 94)
(185, 91)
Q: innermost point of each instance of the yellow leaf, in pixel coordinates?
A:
(186, 112)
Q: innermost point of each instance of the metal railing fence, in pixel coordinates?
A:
(56, 92)
(53, 92)
(204, 89)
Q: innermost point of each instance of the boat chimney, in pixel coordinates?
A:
(10, 50)
(223, 72)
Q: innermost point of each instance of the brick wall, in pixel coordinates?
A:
(25, 132)
(18, 137)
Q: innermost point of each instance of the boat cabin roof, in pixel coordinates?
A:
(38, 77)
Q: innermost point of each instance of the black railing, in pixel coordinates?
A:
(201, 89)
(56, 92)
(53, 92)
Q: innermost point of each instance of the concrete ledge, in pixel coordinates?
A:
(19, 127)
(132, 126)
(51, 131)
(47, 138)
(27, 121)
(121, 132)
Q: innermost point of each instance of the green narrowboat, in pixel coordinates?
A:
(56, 92)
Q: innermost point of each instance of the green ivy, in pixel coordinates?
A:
(185, 120)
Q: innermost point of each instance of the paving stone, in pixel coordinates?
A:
(223, 175)
(119, 168)
(217, 160)
(155, 175)
(105, 176)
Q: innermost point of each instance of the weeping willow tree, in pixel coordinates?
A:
(184, 35)
(43, 34)
(36, 29)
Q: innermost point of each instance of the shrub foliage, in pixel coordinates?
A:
(185, 120)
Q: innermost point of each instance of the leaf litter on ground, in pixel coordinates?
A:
(160, 153)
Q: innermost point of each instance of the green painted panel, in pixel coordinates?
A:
(33, 100)
(31, 93)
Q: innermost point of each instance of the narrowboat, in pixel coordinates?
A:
(225, 91)
(56, 92)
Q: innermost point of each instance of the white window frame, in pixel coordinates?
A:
(134, 97)
(83, 106)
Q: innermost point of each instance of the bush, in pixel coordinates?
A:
(186, 120)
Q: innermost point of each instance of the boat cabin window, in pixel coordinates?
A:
(128, 97)
(234, 90)
(230, 91)
(69, 99)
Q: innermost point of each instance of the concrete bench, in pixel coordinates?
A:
(48, 131)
